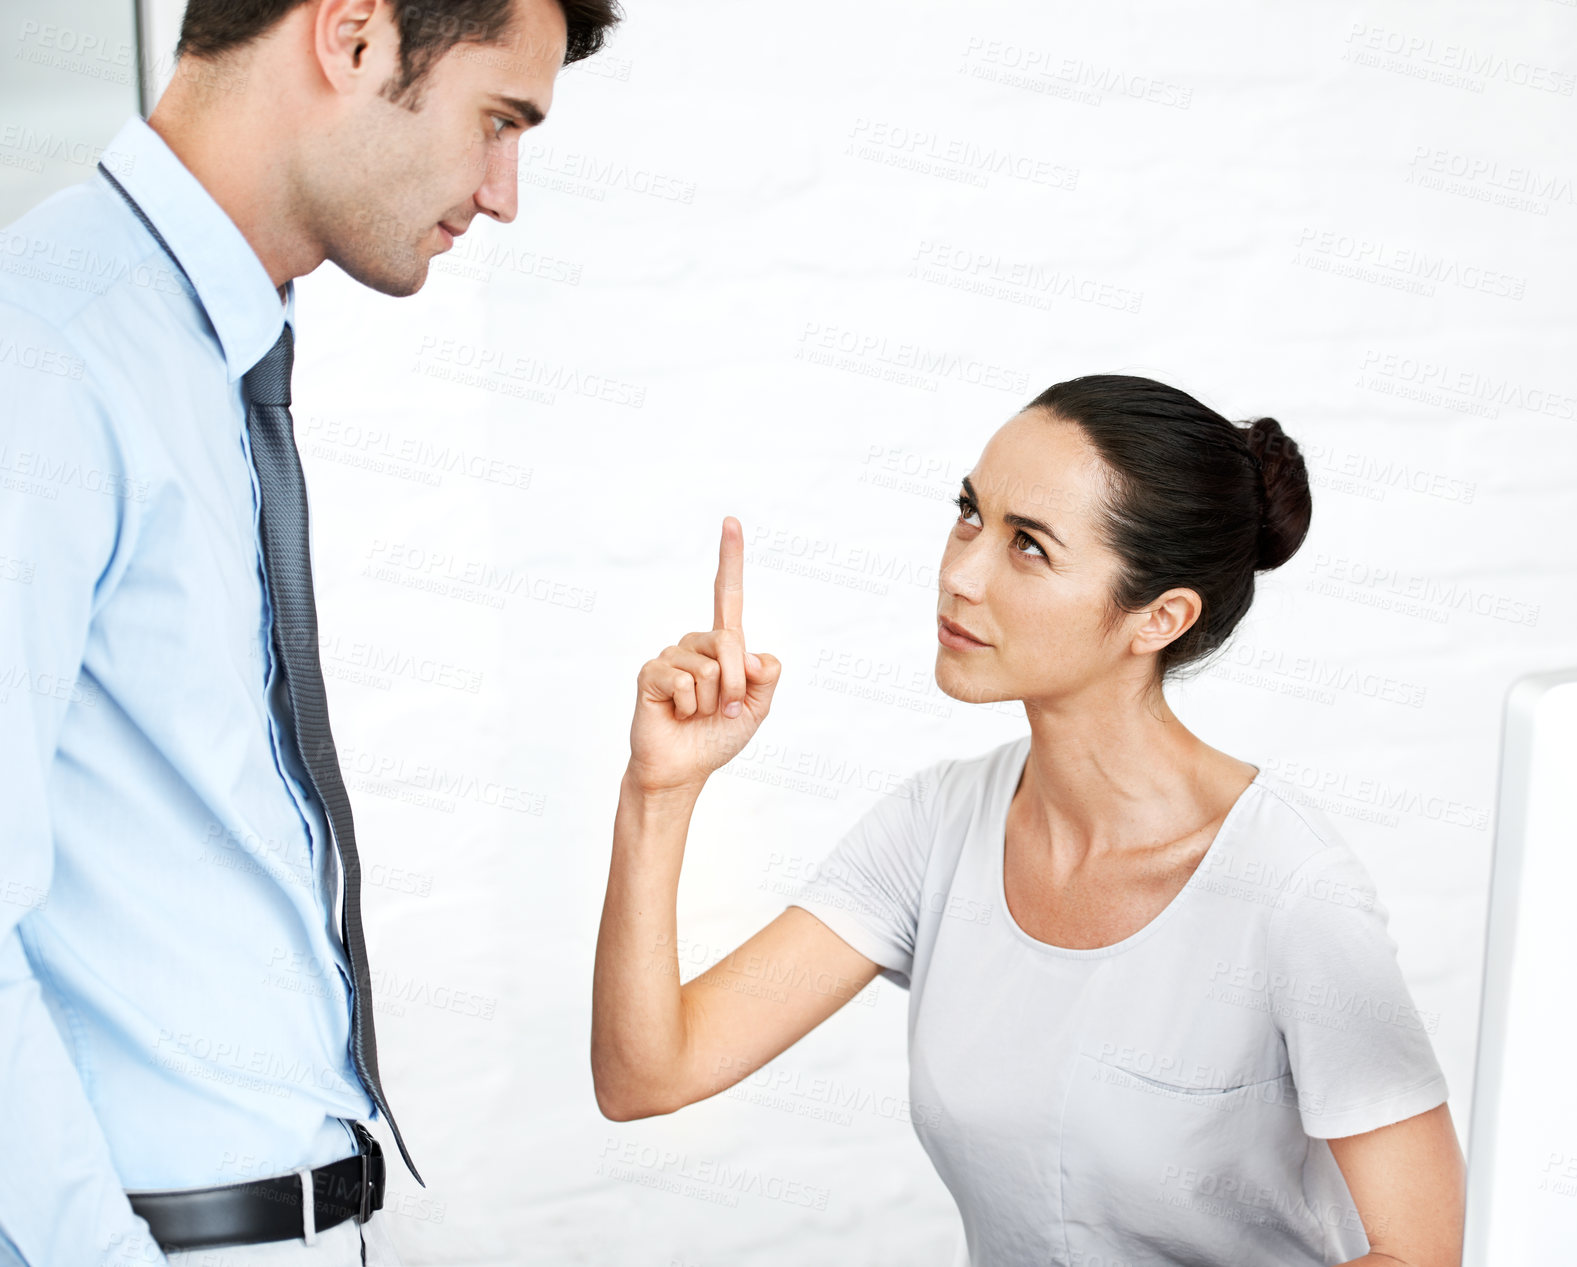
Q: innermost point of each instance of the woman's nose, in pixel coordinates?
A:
(962, 573)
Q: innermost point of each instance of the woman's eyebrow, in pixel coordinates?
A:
(1015, 520)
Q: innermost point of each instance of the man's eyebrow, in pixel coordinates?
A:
(1015, 521)
(526, 110)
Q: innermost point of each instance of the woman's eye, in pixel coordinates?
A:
(966, 510)
(1033, 544)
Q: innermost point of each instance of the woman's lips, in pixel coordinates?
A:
(950, 635)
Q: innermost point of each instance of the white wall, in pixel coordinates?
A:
(69, 77)
(1358, 218)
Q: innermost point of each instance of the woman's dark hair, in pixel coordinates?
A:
(427, 30)
(1192, 500)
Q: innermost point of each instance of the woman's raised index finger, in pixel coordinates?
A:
(728, 594)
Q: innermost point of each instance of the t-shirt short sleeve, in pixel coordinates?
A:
(1359, 1049)
(867, 889)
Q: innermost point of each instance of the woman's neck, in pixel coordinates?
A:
(1107, 774)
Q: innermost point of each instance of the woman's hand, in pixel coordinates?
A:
(699, 702)
(657, 1045)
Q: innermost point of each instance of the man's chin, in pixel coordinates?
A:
(387, 278)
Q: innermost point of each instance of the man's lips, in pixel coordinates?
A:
(958, 635)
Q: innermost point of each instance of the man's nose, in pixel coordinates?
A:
(499, 193)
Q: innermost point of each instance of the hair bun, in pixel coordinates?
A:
(1284, 480)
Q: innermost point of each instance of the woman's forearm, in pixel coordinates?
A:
(696, 707)
(637, 1011)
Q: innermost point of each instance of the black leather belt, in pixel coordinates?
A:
(270, 1209)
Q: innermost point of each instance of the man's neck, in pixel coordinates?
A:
(231, 145)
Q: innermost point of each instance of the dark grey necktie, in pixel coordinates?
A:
(288, 564)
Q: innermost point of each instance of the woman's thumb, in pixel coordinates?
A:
(762, 670)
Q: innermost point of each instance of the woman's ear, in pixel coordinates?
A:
(1166, 620)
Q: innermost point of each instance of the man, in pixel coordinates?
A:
(175, 824)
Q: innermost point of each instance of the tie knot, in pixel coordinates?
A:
(268, 382)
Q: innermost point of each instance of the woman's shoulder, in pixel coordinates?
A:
(1293, 851)
(971, 781)
(937, 802)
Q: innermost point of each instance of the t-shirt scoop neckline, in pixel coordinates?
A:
(999, 862)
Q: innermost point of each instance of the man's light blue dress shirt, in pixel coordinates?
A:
(174, 995)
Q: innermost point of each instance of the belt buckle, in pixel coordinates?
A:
(371, 1155)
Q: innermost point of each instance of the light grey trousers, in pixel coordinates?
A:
(347, 1244)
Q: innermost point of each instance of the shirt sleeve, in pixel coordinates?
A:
(867, 889)
(64, 524)
(1359, 1049)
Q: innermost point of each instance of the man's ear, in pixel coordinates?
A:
(356, 42)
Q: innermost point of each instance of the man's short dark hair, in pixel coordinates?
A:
(428, 29)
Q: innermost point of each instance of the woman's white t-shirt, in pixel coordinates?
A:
(1162, 1100)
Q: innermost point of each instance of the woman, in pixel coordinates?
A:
(1154, 1016)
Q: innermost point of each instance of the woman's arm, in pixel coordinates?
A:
(1409, 1183)
(657, 1046)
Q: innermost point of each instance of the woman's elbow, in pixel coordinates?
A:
(617, 1107)
(617, 1110)
(620, 1101)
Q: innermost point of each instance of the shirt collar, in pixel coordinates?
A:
(232, 285)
